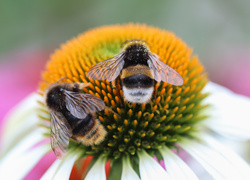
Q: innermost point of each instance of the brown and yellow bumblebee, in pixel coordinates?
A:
(73, 116)
(140, 70)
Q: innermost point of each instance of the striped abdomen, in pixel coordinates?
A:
(88, 131)
(138, 83)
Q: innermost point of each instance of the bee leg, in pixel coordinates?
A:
(79, 86)
(83, 85)
(109, 109)
(114, 83)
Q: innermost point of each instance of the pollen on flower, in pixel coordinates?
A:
(130, 112)
(101, 118)
(158, 99)
(125, 122)
(172, 112)
(115, 117)
(97, 95)
(106, 100)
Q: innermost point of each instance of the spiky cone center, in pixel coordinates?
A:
(172, 114)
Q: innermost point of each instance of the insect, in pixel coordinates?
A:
(140, 70)
(73, 116)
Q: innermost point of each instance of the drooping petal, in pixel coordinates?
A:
(49, 174)
(24, 145)
(150, 169)
(230, 114)
(239, 164)
(128, 172)
(20, 121)
(176, 168)
(212, 159)
(98, 170)
(61, 169)
(19, 167)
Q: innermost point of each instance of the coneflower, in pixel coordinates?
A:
(179, 118)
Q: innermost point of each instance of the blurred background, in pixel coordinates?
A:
(218, 32)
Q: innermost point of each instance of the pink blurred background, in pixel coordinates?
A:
(19, 74)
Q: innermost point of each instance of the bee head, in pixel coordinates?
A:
(136, 50)
(55, 97)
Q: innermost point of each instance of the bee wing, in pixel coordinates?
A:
(60, 133)
(163, 72)
(81, 104)
(108, 69)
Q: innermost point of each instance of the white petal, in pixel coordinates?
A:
(98, 170)
(239, 164)
(65, 169)
(20, 111)
(49, 174)
(128, 172)
(150, 169)
(61, 169)
(218, 165)
(20, 167)
(176, 168)
(20, 121)
(230, 113)
(24, 145)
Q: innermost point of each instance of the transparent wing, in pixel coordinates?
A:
(108, 69)
(81, 104)
(163, 72)
(60, 133)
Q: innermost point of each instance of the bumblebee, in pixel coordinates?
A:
(73, 116)
(140, 69)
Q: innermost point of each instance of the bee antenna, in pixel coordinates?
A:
(61, 79)
(128, 40)
(145, 42)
